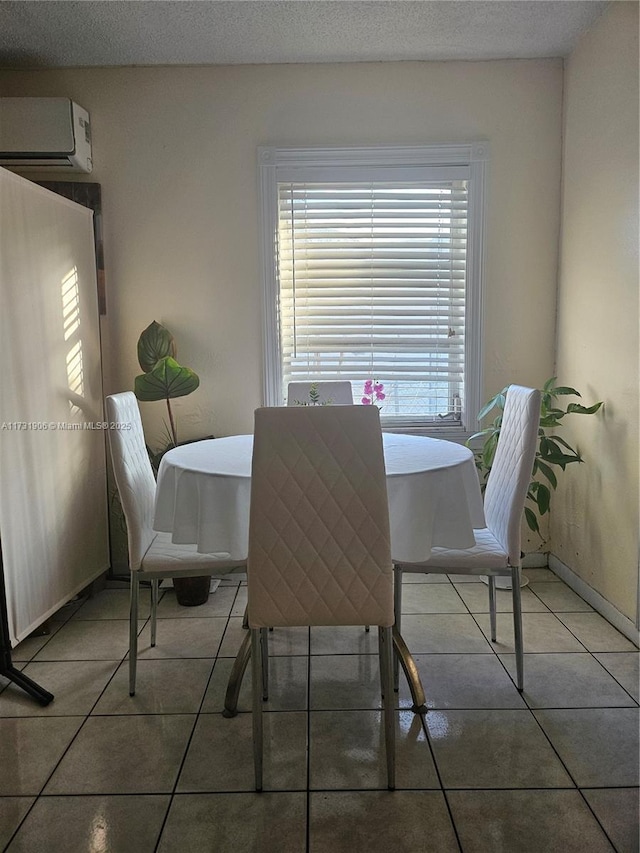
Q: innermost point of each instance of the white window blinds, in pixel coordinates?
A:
(372, 280)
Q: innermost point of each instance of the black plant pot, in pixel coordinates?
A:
(190, 592)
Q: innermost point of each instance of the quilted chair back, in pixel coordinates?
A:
(329, 393)
(133, 473)
(319, 549)
(511, 470)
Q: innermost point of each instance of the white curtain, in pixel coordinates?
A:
(53, 502)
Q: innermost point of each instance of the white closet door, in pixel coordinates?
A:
(53, 501)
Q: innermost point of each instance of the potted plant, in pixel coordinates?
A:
(165, 379)
(553, 451)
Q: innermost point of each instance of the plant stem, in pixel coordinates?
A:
(174, 434)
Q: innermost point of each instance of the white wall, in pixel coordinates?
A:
(595, 513)
(175, 152)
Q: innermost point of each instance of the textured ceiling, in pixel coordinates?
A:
(147, 32)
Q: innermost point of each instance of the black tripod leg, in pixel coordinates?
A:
(43, 696)
(6, 667)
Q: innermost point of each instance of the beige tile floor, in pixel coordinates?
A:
(487, 771)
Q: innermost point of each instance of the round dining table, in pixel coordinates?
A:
(204, 489)
(203, 495)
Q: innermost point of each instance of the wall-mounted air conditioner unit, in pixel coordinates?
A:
(44, 133)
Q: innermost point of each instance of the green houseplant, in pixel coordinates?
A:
(553, 451)
(165, 379)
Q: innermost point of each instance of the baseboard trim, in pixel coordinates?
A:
(600, 604)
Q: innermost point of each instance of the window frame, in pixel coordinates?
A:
(276, 164)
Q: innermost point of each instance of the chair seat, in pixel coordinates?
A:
(165, 556)
(486, 554)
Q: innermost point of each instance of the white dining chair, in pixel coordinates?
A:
(152, 555)
(339, 393)
(319, 542)
(497, 549)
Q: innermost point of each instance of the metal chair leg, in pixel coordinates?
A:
(385, 640)
(264, 640)
(492, 606)
(155, 585)
(235, 679)
(256, 667)
(517, 627)
(405, 657)
(133, 632)
(397, 612)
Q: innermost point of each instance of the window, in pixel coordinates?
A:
(372, 270)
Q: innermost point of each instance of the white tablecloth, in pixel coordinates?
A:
(204, 489)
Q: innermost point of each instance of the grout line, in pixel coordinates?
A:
(308, 792)
(195, 723)
(611, 675)
(425, 728)
(234, 791)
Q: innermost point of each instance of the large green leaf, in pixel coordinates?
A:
(554, 444)
(554, 458)
(155, 343)
(166, 381)
(494, 402)
(551, 420)
(532, 521)
(556, 439)
(482, 434)
(583, 410)
(543, 498)
(546, 446)
(489, 450)
(548, 472)
(564, 389)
